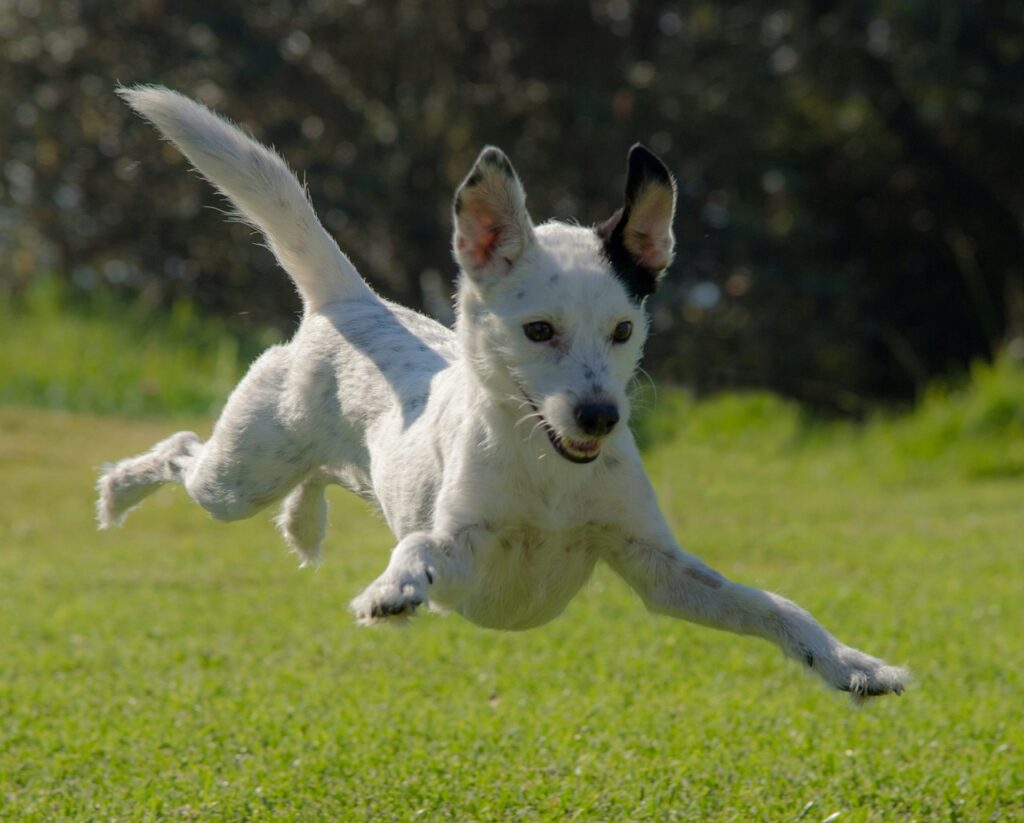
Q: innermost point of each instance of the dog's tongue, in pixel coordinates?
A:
(584, 447)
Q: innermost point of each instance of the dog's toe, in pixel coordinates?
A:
(394, 608)
(386, 601)
(868, 677)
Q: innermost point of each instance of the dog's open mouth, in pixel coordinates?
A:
(575, 451)
(578, 451)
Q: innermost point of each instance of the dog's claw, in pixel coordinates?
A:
(860, 675)
(385, 600)
(393, 609)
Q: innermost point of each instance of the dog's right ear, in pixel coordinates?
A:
(492, 226)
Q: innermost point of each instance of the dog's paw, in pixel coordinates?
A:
(860, 674)
(389, 599)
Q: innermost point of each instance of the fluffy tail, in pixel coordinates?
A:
(261, 187)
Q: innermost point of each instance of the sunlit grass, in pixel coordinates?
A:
(973, 427)
(186, 668)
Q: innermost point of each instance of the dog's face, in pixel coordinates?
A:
(552, 317)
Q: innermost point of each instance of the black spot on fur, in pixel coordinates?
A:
(640, 281)
(473, 179)
(493, 156)
(644, 166)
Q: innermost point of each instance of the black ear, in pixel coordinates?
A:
(638, 239)
(492, 226)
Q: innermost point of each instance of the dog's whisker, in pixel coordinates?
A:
(520, 402)
(647, 375)
(642, 373)
(538, 425)
(526, 417)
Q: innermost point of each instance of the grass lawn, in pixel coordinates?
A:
(184, 668)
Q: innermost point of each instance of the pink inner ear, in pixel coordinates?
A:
(648, 231)
(478, 237)
(649, 244)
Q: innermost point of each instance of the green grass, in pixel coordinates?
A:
(105, 357)
(184, 668)
(969, 428)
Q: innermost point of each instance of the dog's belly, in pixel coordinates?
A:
(526, 576)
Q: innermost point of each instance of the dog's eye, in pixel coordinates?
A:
(539, 331)
(623, 332)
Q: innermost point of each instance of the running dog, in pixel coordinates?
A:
(498, 451)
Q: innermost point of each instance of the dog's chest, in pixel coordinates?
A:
(526, 574)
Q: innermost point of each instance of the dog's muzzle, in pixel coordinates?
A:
(576, 451)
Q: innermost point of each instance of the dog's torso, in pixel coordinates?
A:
(395, 429)
(526, 574)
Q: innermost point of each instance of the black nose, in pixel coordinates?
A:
(597, 418)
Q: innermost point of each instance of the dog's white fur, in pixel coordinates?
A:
(466, 439)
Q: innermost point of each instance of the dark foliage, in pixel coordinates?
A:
(850, 201)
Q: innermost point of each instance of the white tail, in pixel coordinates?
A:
(263, 189)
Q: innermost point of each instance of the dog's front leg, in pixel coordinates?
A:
(676, 583)
(423, 568)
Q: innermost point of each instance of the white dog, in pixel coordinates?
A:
(498, 452)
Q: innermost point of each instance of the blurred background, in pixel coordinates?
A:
(850, 216)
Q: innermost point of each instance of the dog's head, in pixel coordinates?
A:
(552, 316)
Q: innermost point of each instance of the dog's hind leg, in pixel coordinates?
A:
(257, 453)
(302, 520)
(125, 484)
(233, 475)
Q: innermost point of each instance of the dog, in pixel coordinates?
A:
(498, 451)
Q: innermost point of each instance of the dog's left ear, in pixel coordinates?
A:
(638, 238)
(492, 226)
